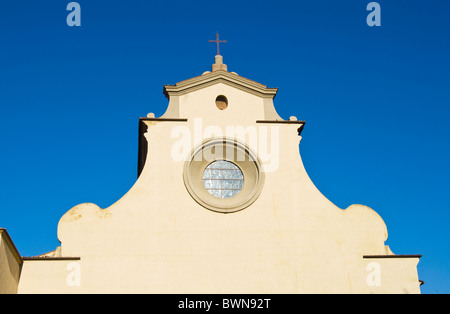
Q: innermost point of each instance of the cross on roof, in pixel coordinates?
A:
(218, 41)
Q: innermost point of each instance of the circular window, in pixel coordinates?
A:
(221, 102)
(223, 175)
(223, 179)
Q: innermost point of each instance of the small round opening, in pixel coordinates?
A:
(221, 102)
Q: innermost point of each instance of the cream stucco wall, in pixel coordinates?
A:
(158, 239)
(10, 264)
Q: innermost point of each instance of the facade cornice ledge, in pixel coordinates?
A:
(51, 258)
(163, 119)
(394, 256)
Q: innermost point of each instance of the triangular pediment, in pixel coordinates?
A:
(211, 78)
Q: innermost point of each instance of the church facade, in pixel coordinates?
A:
(222, 204)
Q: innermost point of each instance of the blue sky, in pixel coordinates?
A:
(376, 101)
